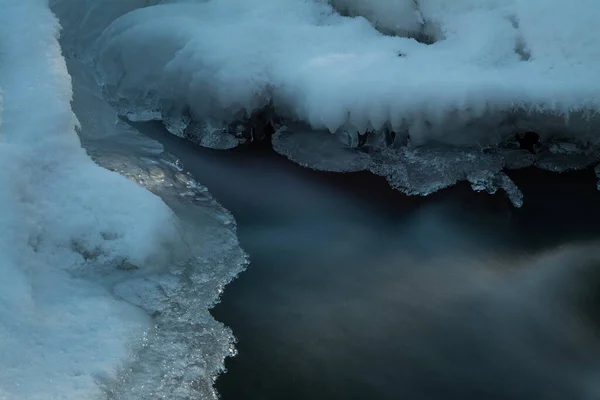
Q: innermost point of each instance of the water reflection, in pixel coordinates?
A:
(357, 292)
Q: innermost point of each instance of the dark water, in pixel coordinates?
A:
(356, 291)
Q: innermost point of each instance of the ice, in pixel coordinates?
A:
(63, 217)
(432, 73)
(180, 358)
(412, 170)
(493, 64)
(318, 150)
(423, 170)
(399, 17)
(447, 79)
(70, 231)
(562, 156)
(105, 287)
(211, 134)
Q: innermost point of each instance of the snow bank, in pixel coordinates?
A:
(496, 65)
(64, 220)
(186, 348)
(89, 18)
(399, 17)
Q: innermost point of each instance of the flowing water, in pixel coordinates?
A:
(356, 291)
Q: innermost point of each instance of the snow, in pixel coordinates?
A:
(495, 67)
(185, 350)
(89, 18)
(67, 229)
(73, 235)
(401, 17)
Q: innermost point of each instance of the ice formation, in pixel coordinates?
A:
(106, 287)
(465, 73)
(423, 170)
(80, 245)
(493, 66)
(184, 352)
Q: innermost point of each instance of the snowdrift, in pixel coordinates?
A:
(64, 221)
(461, 71)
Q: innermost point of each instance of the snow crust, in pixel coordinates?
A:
(184, 352)
(68, 229)
(496, 67)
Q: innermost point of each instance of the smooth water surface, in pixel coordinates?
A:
(356, 291)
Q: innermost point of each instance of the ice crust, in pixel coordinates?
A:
(105, 287)
(452, 79)
(62, 217)
(78, 243)
(423, 170)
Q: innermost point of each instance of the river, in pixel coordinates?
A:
(356, 291)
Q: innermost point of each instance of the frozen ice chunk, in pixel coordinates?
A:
(211, 134)
(427, 169)
(490, 182)
(318, 150)
(562, 156)
(423, 170)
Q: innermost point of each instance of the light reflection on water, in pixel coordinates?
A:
(356, 292)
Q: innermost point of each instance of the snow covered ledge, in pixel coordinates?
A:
(64, 220)
(496, 67)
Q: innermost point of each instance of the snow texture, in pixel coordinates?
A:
(423, 170)
(399, 79)
(68, 229)
(185, 350)
(77, 240)
(479, 71)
